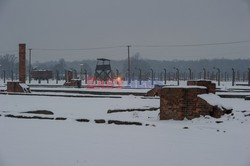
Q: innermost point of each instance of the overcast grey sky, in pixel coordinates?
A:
(103, 23)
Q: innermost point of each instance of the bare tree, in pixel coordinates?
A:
(8, 63)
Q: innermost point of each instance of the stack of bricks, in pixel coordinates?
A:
(183, 102)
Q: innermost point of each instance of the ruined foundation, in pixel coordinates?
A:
(17, 87)
(178, 102)
(72, 82)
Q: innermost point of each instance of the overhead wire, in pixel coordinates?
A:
(75, 49)
(135, 46)
(195, 44)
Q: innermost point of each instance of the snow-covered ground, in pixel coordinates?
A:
(29, 142)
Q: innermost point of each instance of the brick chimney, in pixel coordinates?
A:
(22, 64)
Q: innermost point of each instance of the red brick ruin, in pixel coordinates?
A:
(20, 86)
(178, 102)
(183, 102)
(72, 82)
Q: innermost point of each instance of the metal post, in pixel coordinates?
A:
(204, 76)
(140, 76)
(248, 76)
(4, 72)
(81, 67)
(152, 77)
(177, 75)
(190, 74)
(129, 78)
(30, 65)
(218, 76)
(12, 76)
(233, 77)
(165, 76)
(85, 73)
(57, 76)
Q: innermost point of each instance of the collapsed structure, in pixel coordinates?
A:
(20, 86)
(179, 102)
(70, 81)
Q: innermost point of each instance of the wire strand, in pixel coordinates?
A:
(75, 49)
(195, 45)
(141, 46)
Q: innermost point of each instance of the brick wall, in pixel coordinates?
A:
(183, 102)
(69, 75)
(177, 103)
(211, 87)
(42, 74)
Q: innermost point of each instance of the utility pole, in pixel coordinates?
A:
(30, 65)
(129, 78)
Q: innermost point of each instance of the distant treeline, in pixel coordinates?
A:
(197, 66)
(10, 62)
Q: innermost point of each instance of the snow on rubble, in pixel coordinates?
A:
(214, 100)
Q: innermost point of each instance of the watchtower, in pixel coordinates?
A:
(103, 69)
